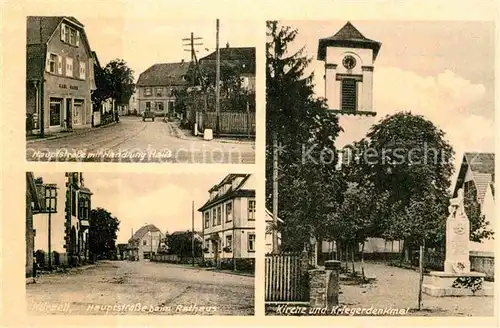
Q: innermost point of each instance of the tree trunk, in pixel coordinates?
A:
(421, 272)
(363, 261)
(352, 261)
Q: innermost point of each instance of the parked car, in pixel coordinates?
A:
(148, 114)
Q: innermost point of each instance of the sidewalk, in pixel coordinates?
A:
(196, 267)
(60, 271)
(185, 134)
(63, 134)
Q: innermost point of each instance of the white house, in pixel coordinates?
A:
(477, 178)
(144, 243)
(229, 221)
(269, 232)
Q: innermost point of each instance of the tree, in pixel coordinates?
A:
(102, 232)
(119, 81)
(304, 131)
(180, 244)
(479, 226)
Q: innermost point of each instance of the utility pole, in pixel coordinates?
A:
(192, 230)
(42, 73)
(50, 239)
(217, 78)
(275, 193)
(193, 52)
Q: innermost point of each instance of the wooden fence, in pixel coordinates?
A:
(230, 123)
(286, 278)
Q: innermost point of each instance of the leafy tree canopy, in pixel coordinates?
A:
(102, 232)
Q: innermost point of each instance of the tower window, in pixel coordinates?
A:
(349, 95)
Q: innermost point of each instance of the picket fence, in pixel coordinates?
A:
(286, 278)
(230, 123)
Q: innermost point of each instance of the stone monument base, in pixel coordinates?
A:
(440, 284)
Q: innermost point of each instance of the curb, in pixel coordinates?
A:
(178, 133)
(64, 135)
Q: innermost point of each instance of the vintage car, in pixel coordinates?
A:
(148, 114)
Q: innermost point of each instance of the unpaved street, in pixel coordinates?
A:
(122, 287)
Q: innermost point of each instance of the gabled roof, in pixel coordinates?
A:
(165, 74)
(238, 191)
(482, 166)
(243, 57)
(348, 36)
(269, 216)
(143, 231)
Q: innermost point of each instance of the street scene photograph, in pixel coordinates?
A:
(135, 89)
(140, 243)
(380, 168)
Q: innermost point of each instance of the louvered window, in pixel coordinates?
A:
(349, 95)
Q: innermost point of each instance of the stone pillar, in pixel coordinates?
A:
(317, 288)
(333, 286)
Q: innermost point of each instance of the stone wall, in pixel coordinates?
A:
(317, 288)
(483, 262)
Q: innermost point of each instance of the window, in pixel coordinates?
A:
(73, 203)
(229, 241)
(214, 216)
(148, 106)
(55, 111)
(52, 63)
(220, 245)
(147, 91)
(219, 215)
(84, 209)
(349, 95)
(229, 212)
(144, 242)
(82, 70)
(69, 67)
(159, 106)
(70, 35)
(251, 242)
(251, 210)
(159, 92)
(207, 219)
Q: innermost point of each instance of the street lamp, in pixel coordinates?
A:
(51, 207)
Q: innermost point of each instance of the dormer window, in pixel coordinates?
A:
(70, 35)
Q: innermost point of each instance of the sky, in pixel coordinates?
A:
(443, 70)
(142, 42)
(135, 199)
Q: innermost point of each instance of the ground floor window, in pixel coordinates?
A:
(251, 242)
(148, 105)
(55, 111)
(159, 106)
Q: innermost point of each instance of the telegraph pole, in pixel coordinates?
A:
(193, 51)
(192, 230)
(217, 77)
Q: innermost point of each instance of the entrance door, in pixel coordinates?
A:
(77, 112)
(69, 105)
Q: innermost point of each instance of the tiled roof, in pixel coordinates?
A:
(238, 191)
(348, 36)
(269, 216)
(243, 57)
(35, 59)
(144, 230)
(166, 74)
(482, 166)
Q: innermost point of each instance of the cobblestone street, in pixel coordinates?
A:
(123, 287)
(131, 137)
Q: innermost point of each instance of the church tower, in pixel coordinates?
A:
(349, 63)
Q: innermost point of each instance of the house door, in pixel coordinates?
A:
(216, 252)
(69, 105)
(77, 112)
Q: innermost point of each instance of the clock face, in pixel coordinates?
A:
(349, 62)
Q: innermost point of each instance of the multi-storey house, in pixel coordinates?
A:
(229, 222)
(156, 86)
(59, 74)
(145, 243)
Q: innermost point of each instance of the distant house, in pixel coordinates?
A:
(144, 243)
(35, 204)
(269, 232)
(156, 85)
(243, 58)
(59, 73)
(229, 222)
(121, 251)
(477, 178)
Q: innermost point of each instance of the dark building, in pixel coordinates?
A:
(59, 74)
(34, 205)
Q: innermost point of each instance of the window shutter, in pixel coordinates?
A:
(349, 95)
(77, 38)
(59, 65)
(63, 32)
(47, 62)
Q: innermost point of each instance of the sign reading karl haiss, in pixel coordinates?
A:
(457, 279)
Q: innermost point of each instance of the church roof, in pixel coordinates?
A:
(350, 37)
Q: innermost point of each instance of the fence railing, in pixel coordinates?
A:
(230, 123)
(286, 278)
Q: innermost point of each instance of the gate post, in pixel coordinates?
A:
(333, 287)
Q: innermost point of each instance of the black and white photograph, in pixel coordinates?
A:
(380, 168)
(102, 244)
(138, 90)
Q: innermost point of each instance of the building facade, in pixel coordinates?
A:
(229, 222)
(477, 178)
(34, 204)
(269, 232)
(77, 212)
(156, 86)
(145, 243)
(60, 74)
